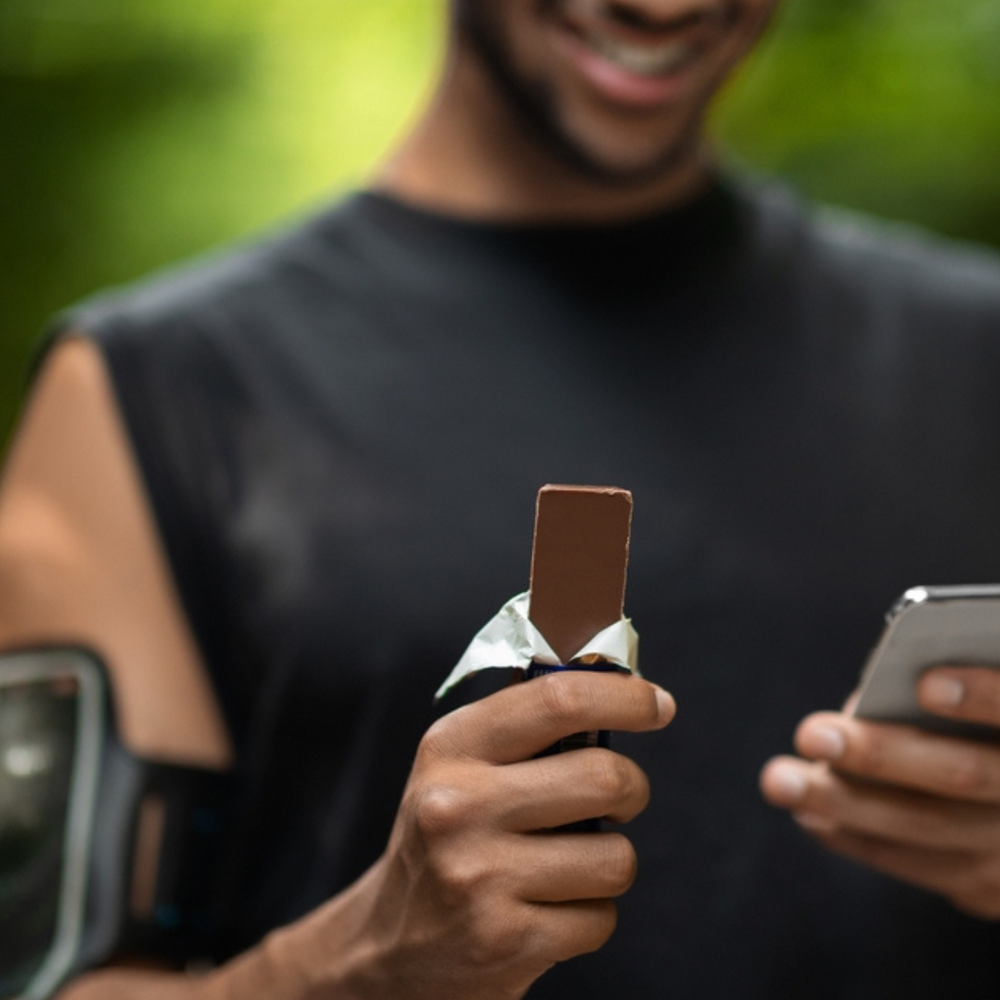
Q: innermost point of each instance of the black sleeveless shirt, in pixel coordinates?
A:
(342, 431)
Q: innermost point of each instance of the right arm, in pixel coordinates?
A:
(475, 896)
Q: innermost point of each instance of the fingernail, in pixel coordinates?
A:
(665, 704)
(788, 784)
(942, 691)
(825, 742)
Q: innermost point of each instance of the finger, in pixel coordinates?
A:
(969, 693)
(900, 816)
(565, 930)
(980, 902)
(564, 788)
(965, 770)
(528, 796)
(947, 872)
(561, 867)
(524, 719)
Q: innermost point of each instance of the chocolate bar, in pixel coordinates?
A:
(579, 563)
(578, 567)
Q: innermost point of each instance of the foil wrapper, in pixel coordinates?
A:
(510, 640)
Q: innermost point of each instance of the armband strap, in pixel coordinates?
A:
(102, 853)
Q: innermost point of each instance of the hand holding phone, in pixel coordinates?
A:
(920, 801)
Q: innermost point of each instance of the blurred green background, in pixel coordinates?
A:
(135, 132)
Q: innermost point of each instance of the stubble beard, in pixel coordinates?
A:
(535, 106)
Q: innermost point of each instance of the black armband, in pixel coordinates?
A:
(101, 853)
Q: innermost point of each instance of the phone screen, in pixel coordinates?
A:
(38, 735)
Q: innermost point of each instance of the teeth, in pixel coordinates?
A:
(643, 60)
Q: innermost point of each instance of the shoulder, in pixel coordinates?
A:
(859, 256)
(243, 286)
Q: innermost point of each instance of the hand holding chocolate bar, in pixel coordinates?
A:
(476, 895)
(482, 887)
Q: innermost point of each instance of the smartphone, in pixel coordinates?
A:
(927, 627)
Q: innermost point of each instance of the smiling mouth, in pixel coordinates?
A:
(634, 41)
(645, 60)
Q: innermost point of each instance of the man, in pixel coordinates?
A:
(279, 494)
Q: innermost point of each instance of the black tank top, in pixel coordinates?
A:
(342, 430)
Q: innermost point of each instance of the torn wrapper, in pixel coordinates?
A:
(510, 640)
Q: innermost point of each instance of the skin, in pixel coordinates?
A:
(920, 807)
(527, 124)
(474, 896)
(80, 562)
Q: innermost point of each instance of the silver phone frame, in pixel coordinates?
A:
(957, 625)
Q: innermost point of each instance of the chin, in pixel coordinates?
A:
(623, 161)
(613, 169)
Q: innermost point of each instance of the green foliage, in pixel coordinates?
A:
(892, 106)
(135, 132)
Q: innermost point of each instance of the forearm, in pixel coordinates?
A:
(130, 984)
(321, 956)
(269, 972)
(258, 973)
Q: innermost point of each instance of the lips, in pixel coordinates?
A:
(638, 56)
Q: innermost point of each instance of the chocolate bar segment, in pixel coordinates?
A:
(579, 563)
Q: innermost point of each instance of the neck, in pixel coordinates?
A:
(470, 156)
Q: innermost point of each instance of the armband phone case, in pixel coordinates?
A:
(101, 853)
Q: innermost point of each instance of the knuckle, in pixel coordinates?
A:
(498, 935)
(611, 776)
(461, 878)
(441, 809)
(593, 925)
(642, 792)
(599, 928)
(621, 865)
(870, 751)
(436, 743)
(928, 826)
(564, 699)
(968, 773)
